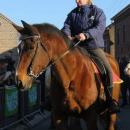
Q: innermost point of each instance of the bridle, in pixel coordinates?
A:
(38, 44)
(50, 63)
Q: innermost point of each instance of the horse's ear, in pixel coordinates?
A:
(18, 28)
(29, 28)
(26, 25)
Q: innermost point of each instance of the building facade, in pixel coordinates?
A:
(109, 39)
(122, 33)
(8, 37)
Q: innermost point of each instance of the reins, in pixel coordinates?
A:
(30, 72)
(65, 53)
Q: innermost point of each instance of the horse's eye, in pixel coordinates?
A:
(29, 45)
(32, 40)
(32, 47)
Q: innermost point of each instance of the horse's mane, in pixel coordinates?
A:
(51, 29)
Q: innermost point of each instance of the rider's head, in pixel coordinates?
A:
(83, 2)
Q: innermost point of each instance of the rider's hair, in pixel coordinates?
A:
(90, 2)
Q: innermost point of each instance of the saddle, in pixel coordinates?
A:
(100, 68)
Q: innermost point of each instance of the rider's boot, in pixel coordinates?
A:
(112, 104)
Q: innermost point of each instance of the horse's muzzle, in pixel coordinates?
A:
(18, 83)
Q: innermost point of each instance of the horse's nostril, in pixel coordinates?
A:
(19, 83)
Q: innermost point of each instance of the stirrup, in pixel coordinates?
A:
(115, 108)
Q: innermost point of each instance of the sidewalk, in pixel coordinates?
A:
(44, 124)
(123, 120)
(38, 121)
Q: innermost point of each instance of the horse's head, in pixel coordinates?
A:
(33, 57)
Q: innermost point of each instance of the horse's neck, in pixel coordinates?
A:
(55, 47)
(58, 49)
(66, 67)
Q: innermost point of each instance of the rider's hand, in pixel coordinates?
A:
(81, 37)
(73, 41)
(71, 38)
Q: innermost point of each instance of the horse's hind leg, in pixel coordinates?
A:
(115, 95)
(112, 122)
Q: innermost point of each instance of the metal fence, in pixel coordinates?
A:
(17, 105)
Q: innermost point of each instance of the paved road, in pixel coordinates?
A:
(123, 122)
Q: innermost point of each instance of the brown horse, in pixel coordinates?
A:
(75, 90)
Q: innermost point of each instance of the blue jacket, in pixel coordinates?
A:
(89, 20)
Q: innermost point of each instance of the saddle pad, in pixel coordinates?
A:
(116, 78)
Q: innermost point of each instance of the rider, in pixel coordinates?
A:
(87, 23)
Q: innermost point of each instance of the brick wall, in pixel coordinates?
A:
(8, 37)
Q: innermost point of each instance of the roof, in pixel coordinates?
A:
(8, 20)
(121, 12)
(110, 25)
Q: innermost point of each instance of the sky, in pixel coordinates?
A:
(52, 11)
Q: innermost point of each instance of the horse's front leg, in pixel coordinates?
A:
(91, 123)
(60, 121)
(90, 117)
